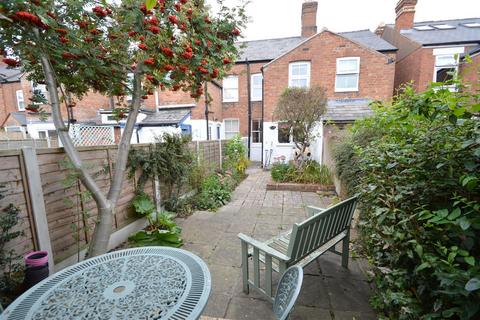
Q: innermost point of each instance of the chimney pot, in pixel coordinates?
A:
(405, 11)
(309, 18)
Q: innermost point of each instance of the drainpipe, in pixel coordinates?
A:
(206, 109)
(263, 114)
(249, 109)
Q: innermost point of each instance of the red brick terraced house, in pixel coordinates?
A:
(354, 67)
(432, 51)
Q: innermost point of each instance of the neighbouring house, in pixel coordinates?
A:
(431, 51)
(354, 67)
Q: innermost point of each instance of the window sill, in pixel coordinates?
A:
(229, 101)
(346, 90)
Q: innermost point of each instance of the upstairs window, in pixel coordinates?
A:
(299, 74)
(230, 89)
(256, 87)
(41, 89)
(232, 128)
(446, 66)
(348, 72)
(20, 100)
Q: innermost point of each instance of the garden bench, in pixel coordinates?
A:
(299, 246)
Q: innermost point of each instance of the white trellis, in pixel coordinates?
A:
(86, 135)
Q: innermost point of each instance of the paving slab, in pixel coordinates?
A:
(329, 291)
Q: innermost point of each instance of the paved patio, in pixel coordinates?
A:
(328, 292)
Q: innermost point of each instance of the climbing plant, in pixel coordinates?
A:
(11, 270)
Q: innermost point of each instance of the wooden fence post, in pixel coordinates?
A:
(35, 191)
(220, 153)
(198, 152)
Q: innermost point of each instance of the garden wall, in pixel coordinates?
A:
(51, 202)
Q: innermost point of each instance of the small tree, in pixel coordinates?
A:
(77, 46)
(302, 109)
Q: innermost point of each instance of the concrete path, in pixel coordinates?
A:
(328, 292)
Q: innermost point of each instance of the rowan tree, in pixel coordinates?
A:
(75, 47)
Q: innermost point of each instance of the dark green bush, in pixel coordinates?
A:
(215, 192)
(310, 172)
(279, 172)
(415, 166)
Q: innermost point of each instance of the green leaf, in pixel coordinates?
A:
(419, 250)
(470, 260)
(454, 214)
(464, 223)
(472, 284)
(150, 4)
(422, 266)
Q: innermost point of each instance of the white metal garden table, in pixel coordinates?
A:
(139, 283)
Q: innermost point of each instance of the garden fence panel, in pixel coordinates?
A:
(15, 190)
(68, 228)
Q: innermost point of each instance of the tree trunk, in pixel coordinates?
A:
(102, 231)
(105, 205)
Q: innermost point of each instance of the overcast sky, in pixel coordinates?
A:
(281, 18)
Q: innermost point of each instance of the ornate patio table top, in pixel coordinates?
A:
(139, 283)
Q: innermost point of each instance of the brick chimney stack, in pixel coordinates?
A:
(309, 18)
(405, 11)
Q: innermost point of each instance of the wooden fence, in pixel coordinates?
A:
(55, 215)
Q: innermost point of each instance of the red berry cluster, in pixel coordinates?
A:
(101, 12)
(11, 62)
(173, 19)
(167, 51)
(143, 46)
(30, 18)
(69, 55)
(149, 62)
(154, 29)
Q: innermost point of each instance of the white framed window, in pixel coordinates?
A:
(256, 131)
(284, 133)
(256, 87)
(40, 88)
(348, 74)
(299, 74)
(230, 89)
(20, 100)
(446, 67)
(232, 128)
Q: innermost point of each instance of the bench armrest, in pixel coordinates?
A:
(314, 210)
(263, 247)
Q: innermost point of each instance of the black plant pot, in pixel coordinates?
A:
(34, 275)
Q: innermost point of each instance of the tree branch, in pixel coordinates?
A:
(67, 142)
(124, 146)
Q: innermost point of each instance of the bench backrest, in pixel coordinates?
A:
(314, 232)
